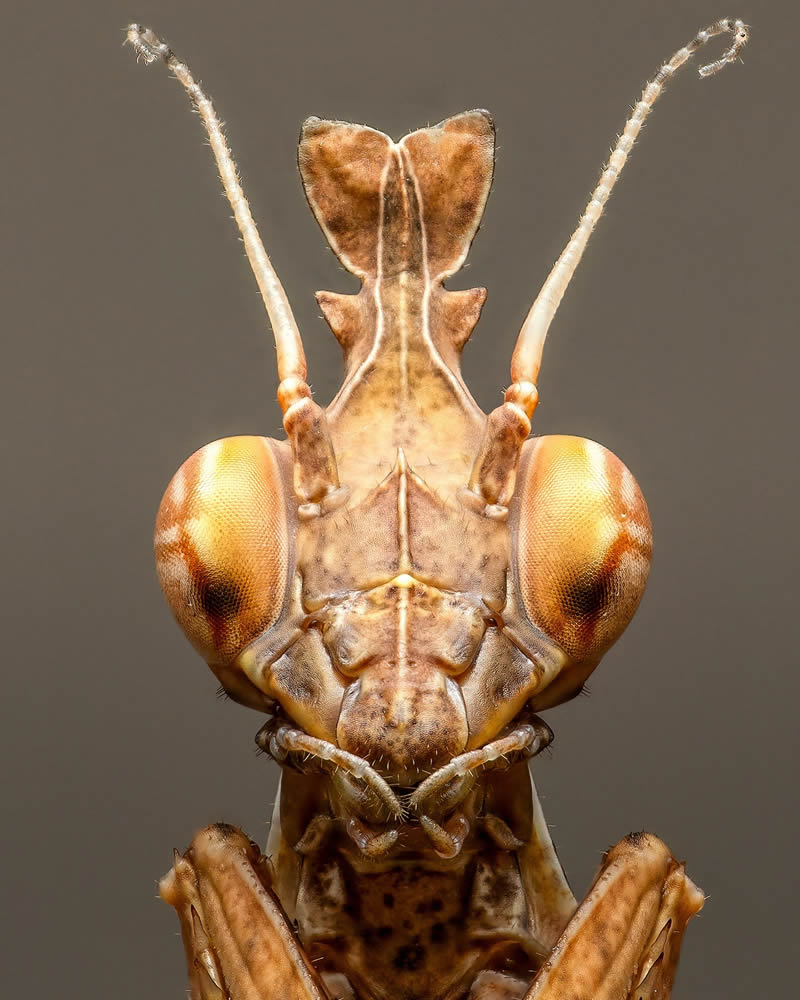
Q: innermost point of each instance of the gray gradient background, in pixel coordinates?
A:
(134, 334)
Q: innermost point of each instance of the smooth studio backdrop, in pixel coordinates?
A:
(133, 334)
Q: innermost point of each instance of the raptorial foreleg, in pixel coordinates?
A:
(239, 944)
(624, 941)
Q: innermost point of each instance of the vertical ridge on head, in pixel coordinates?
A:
(342, 167)
(451, 165)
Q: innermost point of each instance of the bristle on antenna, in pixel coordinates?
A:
(491, 483)
(315, 474)
(291, 358)
(527, 357)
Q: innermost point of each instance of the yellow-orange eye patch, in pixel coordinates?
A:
(222, 545)
(584, 544)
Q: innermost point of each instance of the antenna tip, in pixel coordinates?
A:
(147, 44)
(741, 36)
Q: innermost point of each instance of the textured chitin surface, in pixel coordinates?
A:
(400, 627)
(401, 216)
(222, 546)
(583, 545)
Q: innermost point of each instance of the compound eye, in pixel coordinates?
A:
(583, 549)
(222, 546)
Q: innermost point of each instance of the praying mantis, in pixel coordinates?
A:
(401, 587)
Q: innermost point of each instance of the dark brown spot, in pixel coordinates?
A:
(226, 830)
(409, 958)
(219, 598)
(438, 933)
(589, 594)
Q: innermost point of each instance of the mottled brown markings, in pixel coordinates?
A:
(384, 642)
(401, 230)
(345, 316)
(341, 165)
(491, 985)
(460, 233)
(410, 957)
(453, 317)
(453, 165)
(639, 890)
(351, 628)
(405, 727)
(390, 918)
(501, 663)
(395, 342)
(476, 562)
(222, 889)
(439, 933)
(310, 691)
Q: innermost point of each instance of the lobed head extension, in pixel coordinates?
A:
(399, 214)
(408, 206)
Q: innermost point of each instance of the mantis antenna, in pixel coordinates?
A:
(291, 357)
(491, 483)
(315, 474)
(527, 357)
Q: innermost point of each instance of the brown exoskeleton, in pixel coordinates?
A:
(400, 586)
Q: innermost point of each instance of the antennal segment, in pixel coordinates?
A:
(291, 357)
(494, 472)
(315, 465)
(527, 357)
